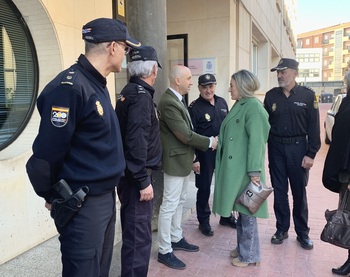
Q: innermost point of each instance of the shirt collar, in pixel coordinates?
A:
(178, 95)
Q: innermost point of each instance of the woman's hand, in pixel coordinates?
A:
(255, 180)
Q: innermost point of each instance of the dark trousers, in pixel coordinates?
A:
(136, 219)
(285, 165)
(87, 240)
(203, 183)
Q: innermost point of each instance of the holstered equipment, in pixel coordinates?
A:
(65, 208)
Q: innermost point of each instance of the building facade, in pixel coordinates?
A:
(334, 43)
(39, 38)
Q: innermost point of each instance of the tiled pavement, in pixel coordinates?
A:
(287, 259)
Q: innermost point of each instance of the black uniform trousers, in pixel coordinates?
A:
(285, 164)
(87, 240)
(135, 216)
(203, 183)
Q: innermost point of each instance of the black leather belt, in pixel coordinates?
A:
(287, 140)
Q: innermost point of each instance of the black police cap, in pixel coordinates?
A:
(206, 79)
(144, 53)
(285, 63)
(107, 29)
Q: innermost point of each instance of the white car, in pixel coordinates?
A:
(329, 121)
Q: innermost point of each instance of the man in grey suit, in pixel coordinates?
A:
(178, 142)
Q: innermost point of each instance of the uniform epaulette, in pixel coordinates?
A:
(140, 89)
(192, 103)
(310, 88)
(68, 77)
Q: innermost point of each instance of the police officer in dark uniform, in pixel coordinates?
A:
(292, 146)
(207, 113)
(142, 148)
(79, 142)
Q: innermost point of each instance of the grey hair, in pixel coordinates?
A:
(141, 69)
(247, 83)
(96, 47)
(347, 79)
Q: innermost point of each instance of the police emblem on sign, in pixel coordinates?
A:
(59, 116)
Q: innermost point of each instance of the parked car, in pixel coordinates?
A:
(329, 121)
(326, 97)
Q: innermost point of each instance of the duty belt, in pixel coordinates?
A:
(287, 140)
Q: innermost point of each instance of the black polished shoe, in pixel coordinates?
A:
(343, 270)
(170, 260)
(278, 237)
(305, 242)
(182, 244)
(230, 221)
(206, 229)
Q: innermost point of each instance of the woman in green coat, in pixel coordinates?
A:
(240, 159)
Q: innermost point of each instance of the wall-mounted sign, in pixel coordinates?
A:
(200, 66)
(121, 8)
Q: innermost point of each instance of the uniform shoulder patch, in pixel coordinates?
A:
(59, 116)
(68, 77)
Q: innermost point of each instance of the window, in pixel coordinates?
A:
(255, 59)
(18, 78)
(316, 40)
(307, 41)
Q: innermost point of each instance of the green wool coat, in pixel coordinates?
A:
(241, 149)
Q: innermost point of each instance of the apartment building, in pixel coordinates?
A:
(334, 45)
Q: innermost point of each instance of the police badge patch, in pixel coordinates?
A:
(99, 108)
(207, 117)
(274, 106)
(59, 116)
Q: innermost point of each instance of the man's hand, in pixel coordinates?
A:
(196, 167)
(147, 193)
(48, 206)
(307, 162)
(214, 143)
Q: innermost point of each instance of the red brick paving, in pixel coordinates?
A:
(287, 259)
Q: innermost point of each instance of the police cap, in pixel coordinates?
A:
(107, 29)
(144, 53)
(285, 63)
(206, 79)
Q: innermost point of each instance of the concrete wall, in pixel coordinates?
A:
(56, 30)
(225, 30)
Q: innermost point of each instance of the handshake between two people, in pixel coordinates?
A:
(214, 142)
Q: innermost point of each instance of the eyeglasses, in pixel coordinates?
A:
(126, 48)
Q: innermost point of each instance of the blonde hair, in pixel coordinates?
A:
(247, 83)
